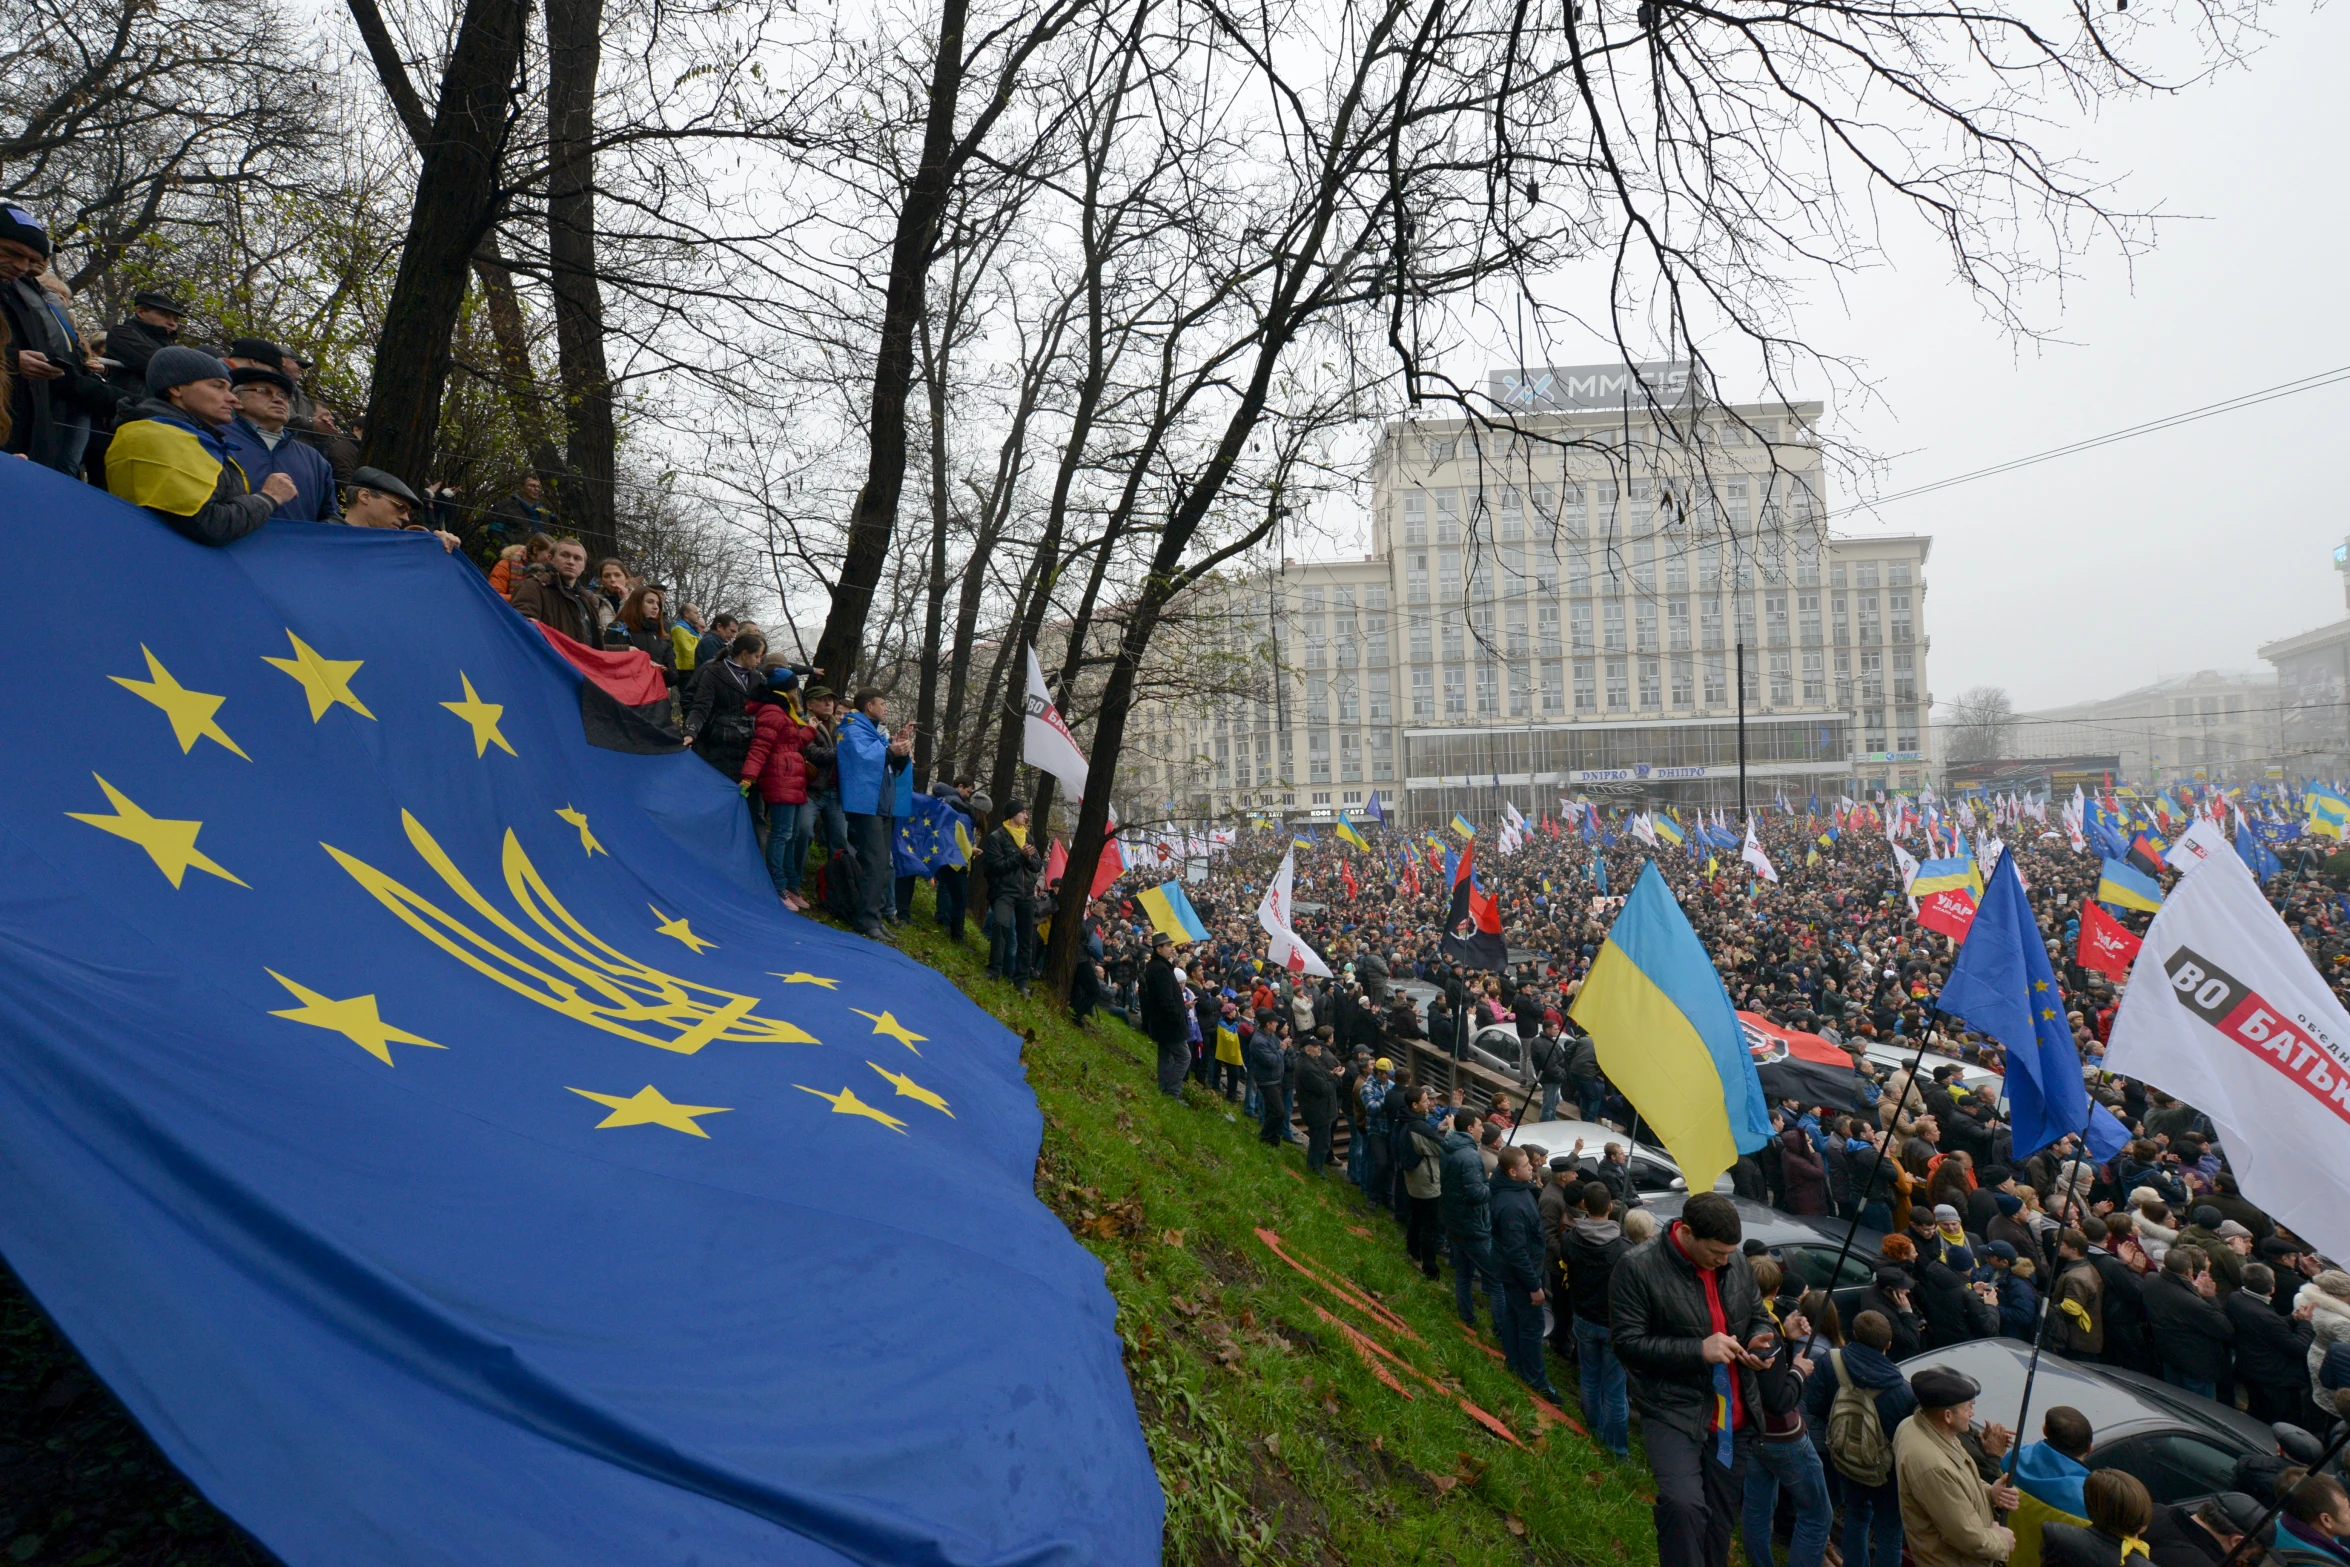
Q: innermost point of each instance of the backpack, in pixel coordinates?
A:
(836, 885)
(1857, 1444)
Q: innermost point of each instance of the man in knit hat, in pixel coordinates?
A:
(173, 456)
(52, 396)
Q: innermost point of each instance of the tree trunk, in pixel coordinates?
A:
(934, 374)
(874, 518)
(457, 201)
(575, 40)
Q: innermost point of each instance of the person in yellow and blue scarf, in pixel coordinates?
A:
(173, 455)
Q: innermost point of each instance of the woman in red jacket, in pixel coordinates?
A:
(775, 765)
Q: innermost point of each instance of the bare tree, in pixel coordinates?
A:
(1980, 723)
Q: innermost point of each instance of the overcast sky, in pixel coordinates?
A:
(2085, 576)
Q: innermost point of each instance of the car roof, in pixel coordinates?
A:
(1774, 1228)
(1559, 1136)
(2116, 1403)
(1969, 1072)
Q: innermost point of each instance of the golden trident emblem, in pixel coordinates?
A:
(564, 965)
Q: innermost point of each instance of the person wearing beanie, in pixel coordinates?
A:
(173, 454)
(263, 445)
(52, 396)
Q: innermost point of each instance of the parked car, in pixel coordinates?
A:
(1807, 1248)
(1654, 1174)
(2182, 1446)
(1978, 1079)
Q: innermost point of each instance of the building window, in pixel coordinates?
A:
(1317, 652)
(1897, 607)
(1750, 681)
(1317, 700)
(1415, 517)
(1521, 692)
(1872, 723)
(1512, 517)
(1905, 729)
(1807, 618)
(1453, 633)
(1643, 562)
(1677, 571)
(1709, 565)
(1872, 681)
(1677, 624)
(1456, 693)
(1375, 627)
(1897, 575)
(1448, 574)
(1578, 571)
(1448, 517)
(1554, 695)
(1375, 597)
(1717, 683)
(1684, 681)
(1546, 627)
(1515, 622)
(1619, 686)
(1612, 618)
(1865, 576)
(1586, 689)
(1843, 622)
(1382, 756)
(1379, 696)
(1415, 575)
(1580, 624)
(1807, 561)
(1318, 759)
(1905, 680)
(1709, 622)
(1782, 680)
(1348, 700)
(1488, 690)
(1421, 638)
(1350, 757)
(1843, 678)
(1644, 624)
(1743, 607)
(1815, 679)
(1652, 685)
(1311, 601)
(1868, 617)
(1423, 693)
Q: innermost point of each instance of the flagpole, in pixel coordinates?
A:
(2048, 1297)
(1876, 1166)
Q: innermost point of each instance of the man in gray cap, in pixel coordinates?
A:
(172, 455)
(380, 500)
(1946, 1508)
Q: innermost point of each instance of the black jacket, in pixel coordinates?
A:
(1517, 1233)
(130, 344)
(1162, 1000)
(1658, 1324)
(1317, 1089)
(40, 410)
(1591, 1248)
(2271, 1351)
(1909, 1329)
(2126, 1338)
(1548, 1055)
(1954, 1313)
(1011, 867)
(718, 716)
(2190, 1333)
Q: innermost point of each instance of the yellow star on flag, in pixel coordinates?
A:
(846, 1102)
(2039, 984)
(483, 716)
(647, 1107)
(356, 1019)
(909, 1089)
(803, 977)
(883, 1023)
(171, 845)
(587, 840)
(326, 681)
(681, 930)
(190, 712)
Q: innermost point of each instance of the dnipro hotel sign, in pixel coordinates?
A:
(1573, 387)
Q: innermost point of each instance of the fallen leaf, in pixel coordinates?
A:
(1171, 1237)
(1444, 1483)
(1356, 1229)
(1330, 1406)
(1514, 1524)
(1378, 1444)
(1273, 1443)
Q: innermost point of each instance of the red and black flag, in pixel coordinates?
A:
(1472, 930)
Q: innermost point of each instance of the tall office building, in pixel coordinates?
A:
(1565, 609)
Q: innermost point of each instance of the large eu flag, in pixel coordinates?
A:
(435, 1131)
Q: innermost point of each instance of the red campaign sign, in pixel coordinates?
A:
(2104, 946)
(2243, 1015)
(1950, 912)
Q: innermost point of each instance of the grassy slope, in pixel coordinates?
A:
(1273, 1440)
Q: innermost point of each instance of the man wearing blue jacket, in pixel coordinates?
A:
(876, 787)
(263, 445)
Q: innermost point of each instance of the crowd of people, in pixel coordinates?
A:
(2154, 1261)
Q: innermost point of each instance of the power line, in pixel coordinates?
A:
(2309, 383)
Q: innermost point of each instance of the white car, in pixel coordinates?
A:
(1653, 1170)
(1979, 1080)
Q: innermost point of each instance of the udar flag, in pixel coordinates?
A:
(1045, 742)
(2224, 1011)
(1273, 913)
(1669, 1038)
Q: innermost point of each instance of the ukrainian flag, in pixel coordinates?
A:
(1669, 1038)
(1347, 834)
(2329, 812)
(2126, 887)
(1170, 911)
(1941, 875)
(1460, 824)
(1666, 830)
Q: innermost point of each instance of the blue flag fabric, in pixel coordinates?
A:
(2254, 853)
(926, 839)
(2002, 985)
(435, 1131)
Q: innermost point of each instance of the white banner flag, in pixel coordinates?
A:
(1047, 744)
(1273, 913)
(2197, 844)
(2224, 1011)
(1753, 854)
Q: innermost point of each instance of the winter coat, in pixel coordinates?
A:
(1466, 1201)
(1547, 1054)
(1317, 1090)
(1658, 1322)
(654, 643)
(720, 720)
(1011, 868)
(1517, 1233)
(2190, 1333)
(130, 343)
(44, 413)
(313, 477)
(542, 596)
(1946, 1518)
(1591, 1248)
(872, 781)
(2271, 1351)
(1909, 1329)
(1162, 1001)
(774, 761)
(2080, 1284)
(1954, 1313)
(2329, 1324)
(1424, 1177)
(185, 474)
(1802, 1173)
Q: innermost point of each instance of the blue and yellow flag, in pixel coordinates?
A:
(1347, 834)
(1669, 1038)
(1170, 911)
(1941, 875)
(2329, 811)
(1460, 824)
(434, 1129)
(1667, 829)
(2126, 887)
